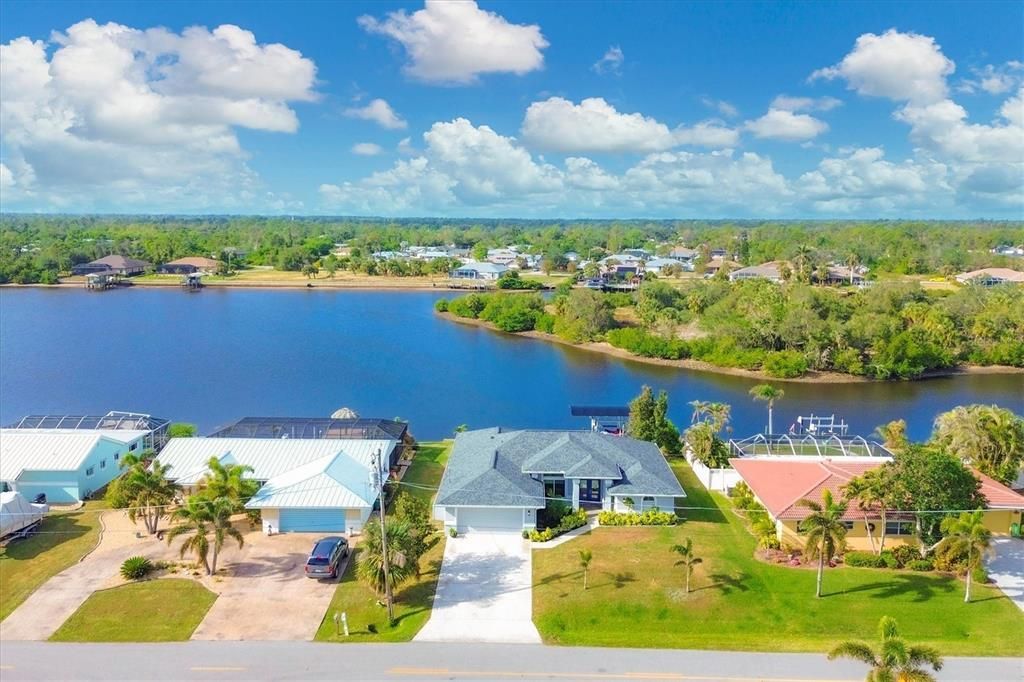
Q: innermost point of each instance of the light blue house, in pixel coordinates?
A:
(69, 457)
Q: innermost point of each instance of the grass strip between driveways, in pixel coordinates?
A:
(636, 597)
(414, 599)
(62, 540)
(164, 610)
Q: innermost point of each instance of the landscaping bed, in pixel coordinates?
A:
(635, 596)
(164, 610)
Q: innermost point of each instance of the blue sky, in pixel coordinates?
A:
(533, 109)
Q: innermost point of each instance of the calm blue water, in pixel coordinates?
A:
(214, 356)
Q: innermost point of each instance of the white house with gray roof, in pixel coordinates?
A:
(497, 480)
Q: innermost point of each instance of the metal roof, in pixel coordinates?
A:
(111, 420)
(269, 457)
(44, 450)
(314, 428)
(334, 481)
(598, 411)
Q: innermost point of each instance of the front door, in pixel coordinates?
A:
(590, 490)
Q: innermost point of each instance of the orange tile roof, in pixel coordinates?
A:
(780, 484)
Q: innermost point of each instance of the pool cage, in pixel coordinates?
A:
(808, 444)
(111, 421)
(315, 428)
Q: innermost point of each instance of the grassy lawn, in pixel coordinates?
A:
(739, 603)
(166, 610)
(415, 598)
(63, 539)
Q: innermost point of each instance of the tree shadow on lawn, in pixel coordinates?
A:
(924, 587)
(53, 531)
(726, 583)
(617, 580)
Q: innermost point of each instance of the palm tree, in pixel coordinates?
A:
(802, 261)
(895, 660)
(700, 408)
(228, 480)
(984, 436)
(200, 517)
(872, 491)
(370, 567)
(133, 459)
(966, 535)
(586, 556)
(718, 415)
(687, 559)
(768, 394)
(826, 534)
(852, 261)
(148, 493)
(894, 435)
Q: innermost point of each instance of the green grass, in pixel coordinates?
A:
(62, 540)
(414, 599)
(165, 610)
(636, 598)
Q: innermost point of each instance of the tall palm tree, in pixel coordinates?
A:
(769, 394)
(966, 535)
(802, 261)
(872, 491)
(688, 559)
(895, 660)
(133, 459)
(700, 408)
(988, 437)
(149, 493)
(228, 480)
(852, 261)
(719, 415)
(586, 556)
(826, 534)
(200, 518)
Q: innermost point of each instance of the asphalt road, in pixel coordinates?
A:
(231, 661)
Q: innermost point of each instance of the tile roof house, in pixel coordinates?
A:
(189, 265)
(497, 480)
(780, 483)
(112, 265)
(768, 271)
(988, 277)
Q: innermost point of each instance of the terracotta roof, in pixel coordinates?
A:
(780, 484)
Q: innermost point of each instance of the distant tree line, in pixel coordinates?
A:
(39, 248)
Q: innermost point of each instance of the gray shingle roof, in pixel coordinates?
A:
(489, 467)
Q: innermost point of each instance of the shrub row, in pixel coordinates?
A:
(904, 556)
(570, 521)
(651, 517)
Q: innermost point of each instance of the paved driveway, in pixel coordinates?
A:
(484, 592)
(265, 594)
(1006, 568)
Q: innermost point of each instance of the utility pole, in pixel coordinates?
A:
(379, 483)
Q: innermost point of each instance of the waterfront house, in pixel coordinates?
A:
(190, 265)
(769, 271)
(683, 254)
(502, 256)
(779, 483)
(315, 473)
(990, 277)
(69, 457)
(657, 265)
(112, 265)
(497, 480)
(479, 271)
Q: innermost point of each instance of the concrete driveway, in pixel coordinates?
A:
(1006, 568)
(264, 593)
(484, 592)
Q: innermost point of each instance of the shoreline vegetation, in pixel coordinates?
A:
(812, 376)
(768, 331)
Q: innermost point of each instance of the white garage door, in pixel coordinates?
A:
(490, 519)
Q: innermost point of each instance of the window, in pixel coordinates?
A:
(899, 527)
(103, 464)
(554, 488)
(89, 471)
(131, 448)
(117, 456)
(848, 525)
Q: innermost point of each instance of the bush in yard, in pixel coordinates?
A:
(905, 554)
(651, 517)
(921, 565)
(863, 560)
(979, 575)
(888, 560)
(542, 535)
(136, 568)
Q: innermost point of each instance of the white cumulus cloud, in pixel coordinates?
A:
(788, 103)
(782, 124)
(380, 112)
(366, 149)
(144, 117)
(456, 42)
(611, 62)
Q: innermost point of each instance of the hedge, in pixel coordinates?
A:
(651, 517)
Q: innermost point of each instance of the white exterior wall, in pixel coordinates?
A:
(450, 517)
(355, 519)
(714, 479)
(667, 504)
(271, 522)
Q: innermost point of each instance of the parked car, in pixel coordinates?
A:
(327, 554)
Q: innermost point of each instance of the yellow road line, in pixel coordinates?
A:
(216, 668)
(445, 672)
